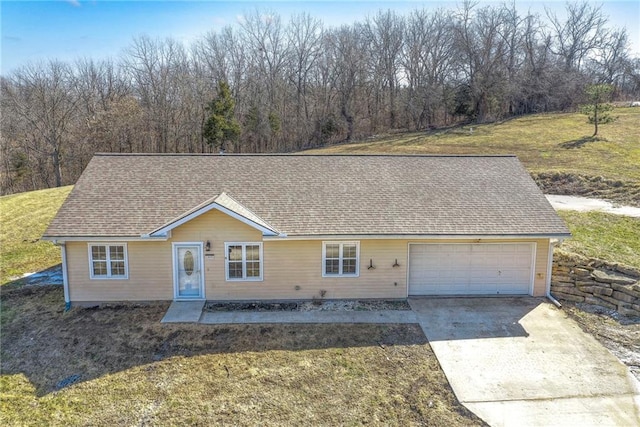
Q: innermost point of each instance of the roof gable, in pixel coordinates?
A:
(225, 204)
(308, 195)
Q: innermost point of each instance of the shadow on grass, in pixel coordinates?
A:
(53, 348)
(580, 142)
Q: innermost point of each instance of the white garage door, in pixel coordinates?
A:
(471, 269)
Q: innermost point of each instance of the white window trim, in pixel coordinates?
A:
(244, 262)
(341, 243)
(108, 261)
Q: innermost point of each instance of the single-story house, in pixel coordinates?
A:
(141, 227)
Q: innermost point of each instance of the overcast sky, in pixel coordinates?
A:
(39, 30)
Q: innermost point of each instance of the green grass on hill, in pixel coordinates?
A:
(24, 217)
(543, 142)
(613, 238)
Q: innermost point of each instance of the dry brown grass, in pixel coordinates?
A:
(136, 371)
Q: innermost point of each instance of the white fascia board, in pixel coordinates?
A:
(62, 239)
(164, 230)
(265, 231)
(277, 238)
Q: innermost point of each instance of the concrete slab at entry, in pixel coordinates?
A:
(184, 312)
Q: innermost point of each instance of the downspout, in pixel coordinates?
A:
(65, 277)
(552, 244)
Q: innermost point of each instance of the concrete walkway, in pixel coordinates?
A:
(522, 362)
(183, 312)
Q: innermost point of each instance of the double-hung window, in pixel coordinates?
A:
(108, 261)
(243, 261)
(340, 259)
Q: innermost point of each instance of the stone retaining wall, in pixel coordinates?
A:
(593, 281)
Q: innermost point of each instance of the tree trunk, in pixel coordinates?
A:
(57, 169)
(349, 119)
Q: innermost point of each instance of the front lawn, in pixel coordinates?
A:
(135, 371)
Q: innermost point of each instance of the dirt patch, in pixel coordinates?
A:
(620, 334)
(118, 365)
(624, 192)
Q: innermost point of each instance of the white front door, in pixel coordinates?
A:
(187, 270)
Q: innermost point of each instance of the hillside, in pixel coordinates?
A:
(24, 217)
(555, 148)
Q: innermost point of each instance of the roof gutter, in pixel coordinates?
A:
(479, 237)
(65, 277)
(550, 297)
(144, 238)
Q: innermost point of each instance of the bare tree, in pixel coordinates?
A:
(427, 60)
(383, 34)
(580, 34)
(305, 41)
(345, 45)
(482, 52)
(150, 65)
(43, 95)
(612, 58)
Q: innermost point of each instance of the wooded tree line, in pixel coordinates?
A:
(301, 84)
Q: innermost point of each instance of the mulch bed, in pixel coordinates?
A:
(341, 305)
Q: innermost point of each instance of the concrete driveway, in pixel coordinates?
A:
(523, 362)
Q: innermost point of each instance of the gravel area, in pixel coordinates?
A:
(340, 305)
(620, 334)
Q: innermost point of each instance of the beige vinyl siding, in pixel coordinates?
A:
(291, 264)
(150, 274)
(540, 275)
(292, 269)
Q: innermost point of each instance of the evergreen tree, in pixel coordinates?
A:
(221, 127)
(598, 107)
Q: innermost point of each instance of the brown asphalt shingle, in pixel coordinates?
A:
(130, 195)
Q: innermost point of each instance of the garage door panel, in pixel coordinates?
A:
(470, 269)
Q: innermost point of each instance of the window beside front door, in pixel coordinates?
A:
(243, 261)
(108, 261)
(340, 259)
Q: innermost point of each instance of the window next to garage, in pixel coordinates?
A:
(340, 259)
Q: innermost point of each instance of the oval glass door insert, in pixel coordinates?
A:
(188, 263)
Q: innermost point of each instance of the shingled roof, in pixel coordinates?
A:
(131, 195)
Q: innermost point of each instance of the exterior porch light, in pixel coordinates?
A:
(207, 246)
